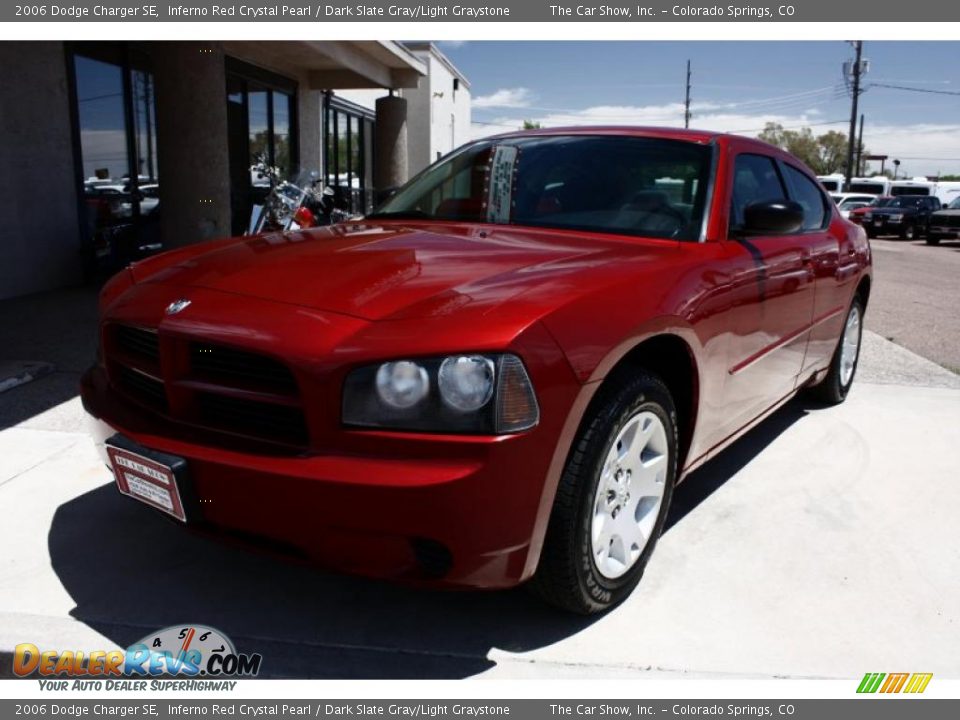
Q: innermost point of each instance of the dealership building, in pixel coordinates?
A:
(115, 148)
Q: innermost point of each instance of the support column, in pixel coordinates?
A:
(192, 144)
(390, 148)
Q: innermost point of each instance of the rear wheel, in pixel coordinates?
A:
(835, 386)
(612, 500)
(933, 239)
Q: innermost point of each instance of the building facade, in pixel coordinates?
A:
(114, 149)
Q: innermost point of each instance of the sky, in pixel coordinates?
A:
(736, 87)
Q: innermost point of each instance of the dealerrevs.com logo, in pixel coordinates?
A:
(191, 651)
(888, 683)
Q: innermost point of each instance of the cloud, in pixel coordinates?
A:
(451, 43)
(909, 142)
(505, 98)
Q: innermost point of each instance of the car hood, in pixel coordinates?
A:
(378, 271)
(947, 213)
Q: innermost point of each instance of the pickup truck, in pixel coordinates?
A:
(907, 216)
(944, 223)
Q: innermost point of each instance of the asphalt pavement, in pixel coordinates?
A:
(823, 544)
(916, 297)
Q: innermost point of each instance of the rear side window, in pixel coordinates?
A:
(755, 179)
(806, 193)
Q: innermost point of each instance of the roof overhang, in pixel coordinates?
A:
(338, 65)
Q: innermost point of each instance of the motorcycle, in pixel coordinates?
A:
(293, 205)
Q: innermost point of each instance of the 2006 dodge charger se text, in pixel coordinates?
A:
(498, 376)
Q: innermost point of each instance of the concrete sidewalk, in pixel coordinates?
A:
(823, 544)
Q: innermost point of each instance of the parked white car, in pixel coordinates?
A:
(852, 201)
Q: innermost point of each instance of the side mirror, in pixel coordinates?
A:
(772, 217)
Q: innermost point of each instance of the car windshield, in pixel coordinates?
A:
(613, 184)
(955, 205)
(905, 202)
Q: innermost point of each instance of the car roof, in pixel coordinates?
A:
(701, 136)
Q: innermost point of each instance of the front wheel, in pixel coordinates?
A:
(835, 386)
(933, 239)
(909, 232)
(612, 500)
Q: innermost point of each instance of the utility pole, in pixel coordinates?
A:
(686, 104)
(861, 167)
(857, 67)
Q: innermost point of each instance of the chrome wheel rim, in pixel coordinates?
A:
(850, 347)
(629, 494)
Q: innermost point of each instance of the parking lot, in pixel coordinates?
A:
(916, 297)
(823, 544)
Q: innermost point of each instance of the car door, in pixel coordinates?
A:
(768, 324)
(833, 264)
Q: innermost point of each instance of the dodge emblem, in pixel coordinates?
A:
(176, 306)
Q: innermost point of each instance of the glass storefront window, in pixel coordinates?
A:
(115, 110)
(103, 136)
(348, 156)
(261, 125)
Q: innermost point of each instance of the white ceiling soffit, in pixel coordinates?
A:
(337, 65)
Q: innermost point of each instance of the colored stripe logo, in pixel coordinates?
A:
(894, 683)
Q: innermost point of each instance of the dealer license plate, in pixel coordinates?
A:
(152, 483)
(878, 222)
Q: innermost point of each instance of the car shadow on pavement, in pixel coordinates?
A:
(131, 572)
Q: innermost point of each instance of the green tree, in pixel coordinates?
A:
(532, 125)
(824, 154)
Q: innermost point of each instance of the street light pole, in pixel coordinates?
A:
(852, 138)
(686, 104)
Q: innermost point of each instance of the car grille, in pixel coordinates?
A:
(254, 418)
(951, 221)
(142, 387)
(230, 391)
(138, 342)
(241, 367)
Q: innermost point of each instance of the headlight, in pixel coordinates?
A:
(466, 382)
(868, 216)
(896, 218)
(469, 393)
(403, 384)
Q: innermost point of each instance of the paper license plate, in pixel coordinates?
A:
(147, 480)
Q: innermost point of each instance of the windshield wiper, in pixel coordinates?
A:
(402, 215)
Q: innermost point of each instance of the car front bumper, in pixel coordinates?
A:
(454, 511)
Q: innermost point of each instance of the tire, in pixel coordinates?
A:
(933, 239)
(572, 573)
(908, 232)
(833, 389)
(871, 234)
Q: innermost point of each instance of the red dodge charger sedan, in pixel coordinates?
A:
(498, 376)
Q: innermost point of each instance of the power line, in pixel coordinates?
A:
(912, 89)
(794, 127)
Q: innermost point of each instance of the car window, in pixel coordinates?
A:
(755, 178)
(806, 193)
(640, 186)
